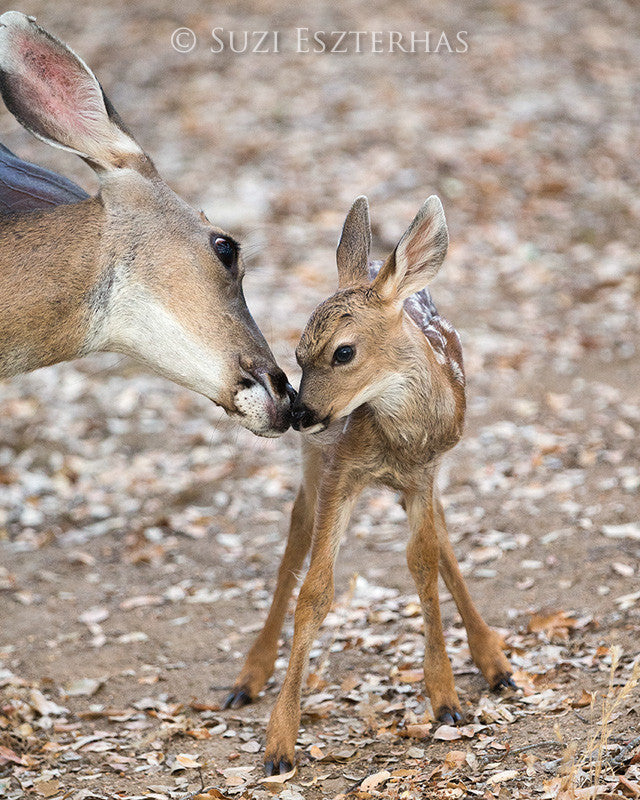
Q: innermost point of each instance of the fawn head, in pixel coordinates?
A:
(165, 283)
(353, 347)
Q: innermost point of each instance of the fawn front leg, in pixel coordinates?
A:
(484, 642)
(260, 660)
(422, 557)
(335, 501)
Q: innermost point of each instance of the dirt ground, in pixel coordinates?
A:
(140, 531)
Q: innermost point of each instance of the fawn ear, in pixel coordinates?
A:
(55, 96)
(352, 254)
(418, 255)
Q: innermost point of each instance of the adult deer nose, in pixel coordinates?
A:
(280, 391)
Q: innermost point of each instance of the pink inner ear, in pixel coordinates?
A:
(59, 91)
(418, 247)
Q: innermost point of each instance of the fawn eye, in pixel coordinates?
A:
(344, 354)
(226, 250)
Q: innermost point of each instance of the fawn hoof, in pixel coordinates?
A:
(504, 681)
(276, 767)
(237, 697)
(449, 716)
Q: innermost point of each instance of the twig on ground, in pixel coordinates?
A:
(620, 758)
(549, 743)
(609, 761)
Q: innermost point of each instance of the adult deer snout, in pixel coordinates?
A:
(265, 392)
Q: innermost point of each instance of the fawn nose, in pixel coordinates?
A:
(302, 416)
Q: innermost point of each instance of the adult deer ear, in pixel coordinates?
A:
(418, 255)
(353, 250)
(55, 96)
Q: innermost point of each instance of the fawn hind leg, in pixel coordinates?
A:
(259, 664)
(422, 558)
(484, 643)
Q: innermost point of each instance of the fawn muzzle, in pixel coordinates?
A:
(306, 419)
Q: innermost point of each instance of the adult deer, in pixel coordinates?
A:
(382, 398)
(132, 270)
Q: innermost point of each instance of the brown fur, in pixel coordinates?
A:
(43, 284)
(132, 270)
(413, 414)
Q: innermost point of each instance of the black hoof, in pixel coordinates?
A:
(283, 766)
(237, 698)
(504, 682)
(449, 716)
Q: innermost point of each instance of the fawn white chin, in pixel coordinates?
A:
(134, 269)
(381, 400)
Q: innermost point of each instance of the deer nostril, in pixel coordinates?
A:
(279, 382)
(274, 381)
(302, 416)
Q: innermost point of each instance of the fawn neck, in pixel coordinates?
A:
(421, 412)
(49, 267)
(396, 438)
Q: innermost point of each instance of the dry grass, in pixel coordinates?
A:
(580, 776)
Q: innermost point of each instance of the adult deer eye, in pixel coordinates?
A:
(226, 250)
(344, 354)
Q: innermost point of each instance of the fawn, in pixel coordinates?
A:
(381, 399)
(134, 269)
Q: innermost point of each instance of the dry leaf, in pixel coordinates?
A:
(9, 756)
(632, 787)
(410, 675)
(469, 731)
(188, 761)
(418, 730)
(83, 687)
(555, 626)
(44, 706)
(204, 706)
(316, 682)
(586, 793)
(627, 601)
(628, 530)
(94, 616)
(372, 781)
(199, 733)
(501, 777)
(447, 733)
(454, 760)
(282, 778)
(141, 601)
(47, 788)
(585, 699)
